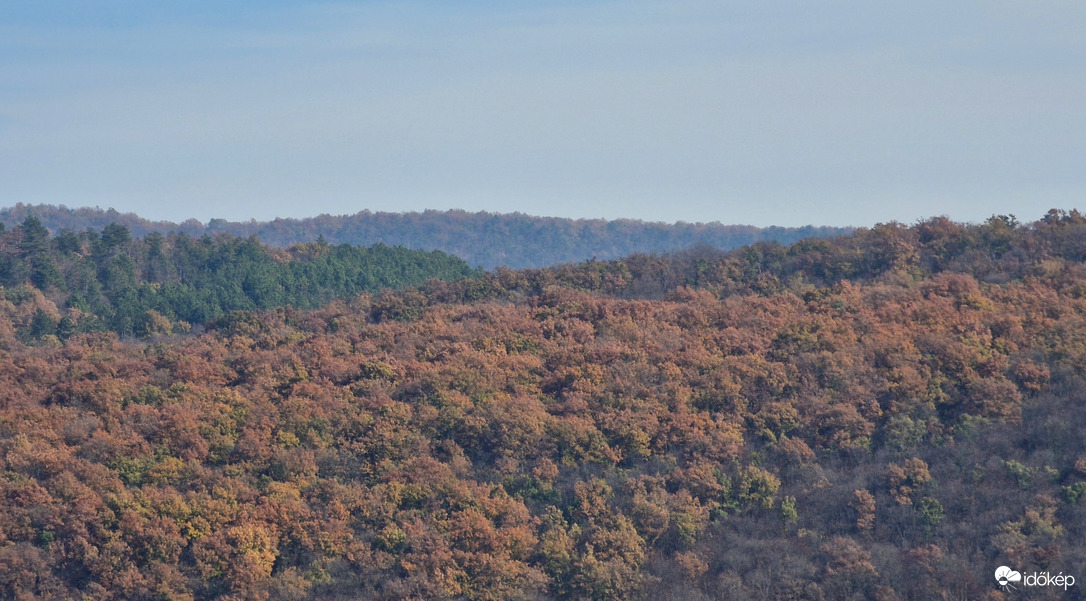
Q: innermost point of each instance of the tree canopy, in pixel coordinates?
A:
(110, 281)
(890, 415)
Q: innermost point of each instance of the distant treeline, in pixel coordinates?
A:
(108, 280)
(482, 239)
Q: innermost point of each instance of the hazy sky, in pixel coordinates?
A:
(762, 111)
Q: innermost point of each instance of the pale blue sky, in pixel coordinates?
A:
(770, 113)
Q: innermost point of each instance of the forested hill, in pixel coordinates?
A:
(486, 240)
(887, 416)
(108, 280)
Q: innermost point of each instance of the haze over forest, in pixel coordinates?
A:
(454, 301)
(485, 240)
(781, 112)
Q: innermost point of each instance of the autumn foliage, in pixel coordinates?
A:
(890, 415)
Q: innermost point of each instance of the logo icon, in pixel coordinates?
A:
(1005, 576)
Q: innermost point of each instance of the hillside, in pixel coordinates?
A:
(887, 415)
(94, 281)
(485, 240)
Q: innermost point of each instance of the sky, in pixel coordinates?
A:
(769, 112)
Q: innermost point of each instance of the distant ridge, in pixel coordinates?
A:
(482, 239)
